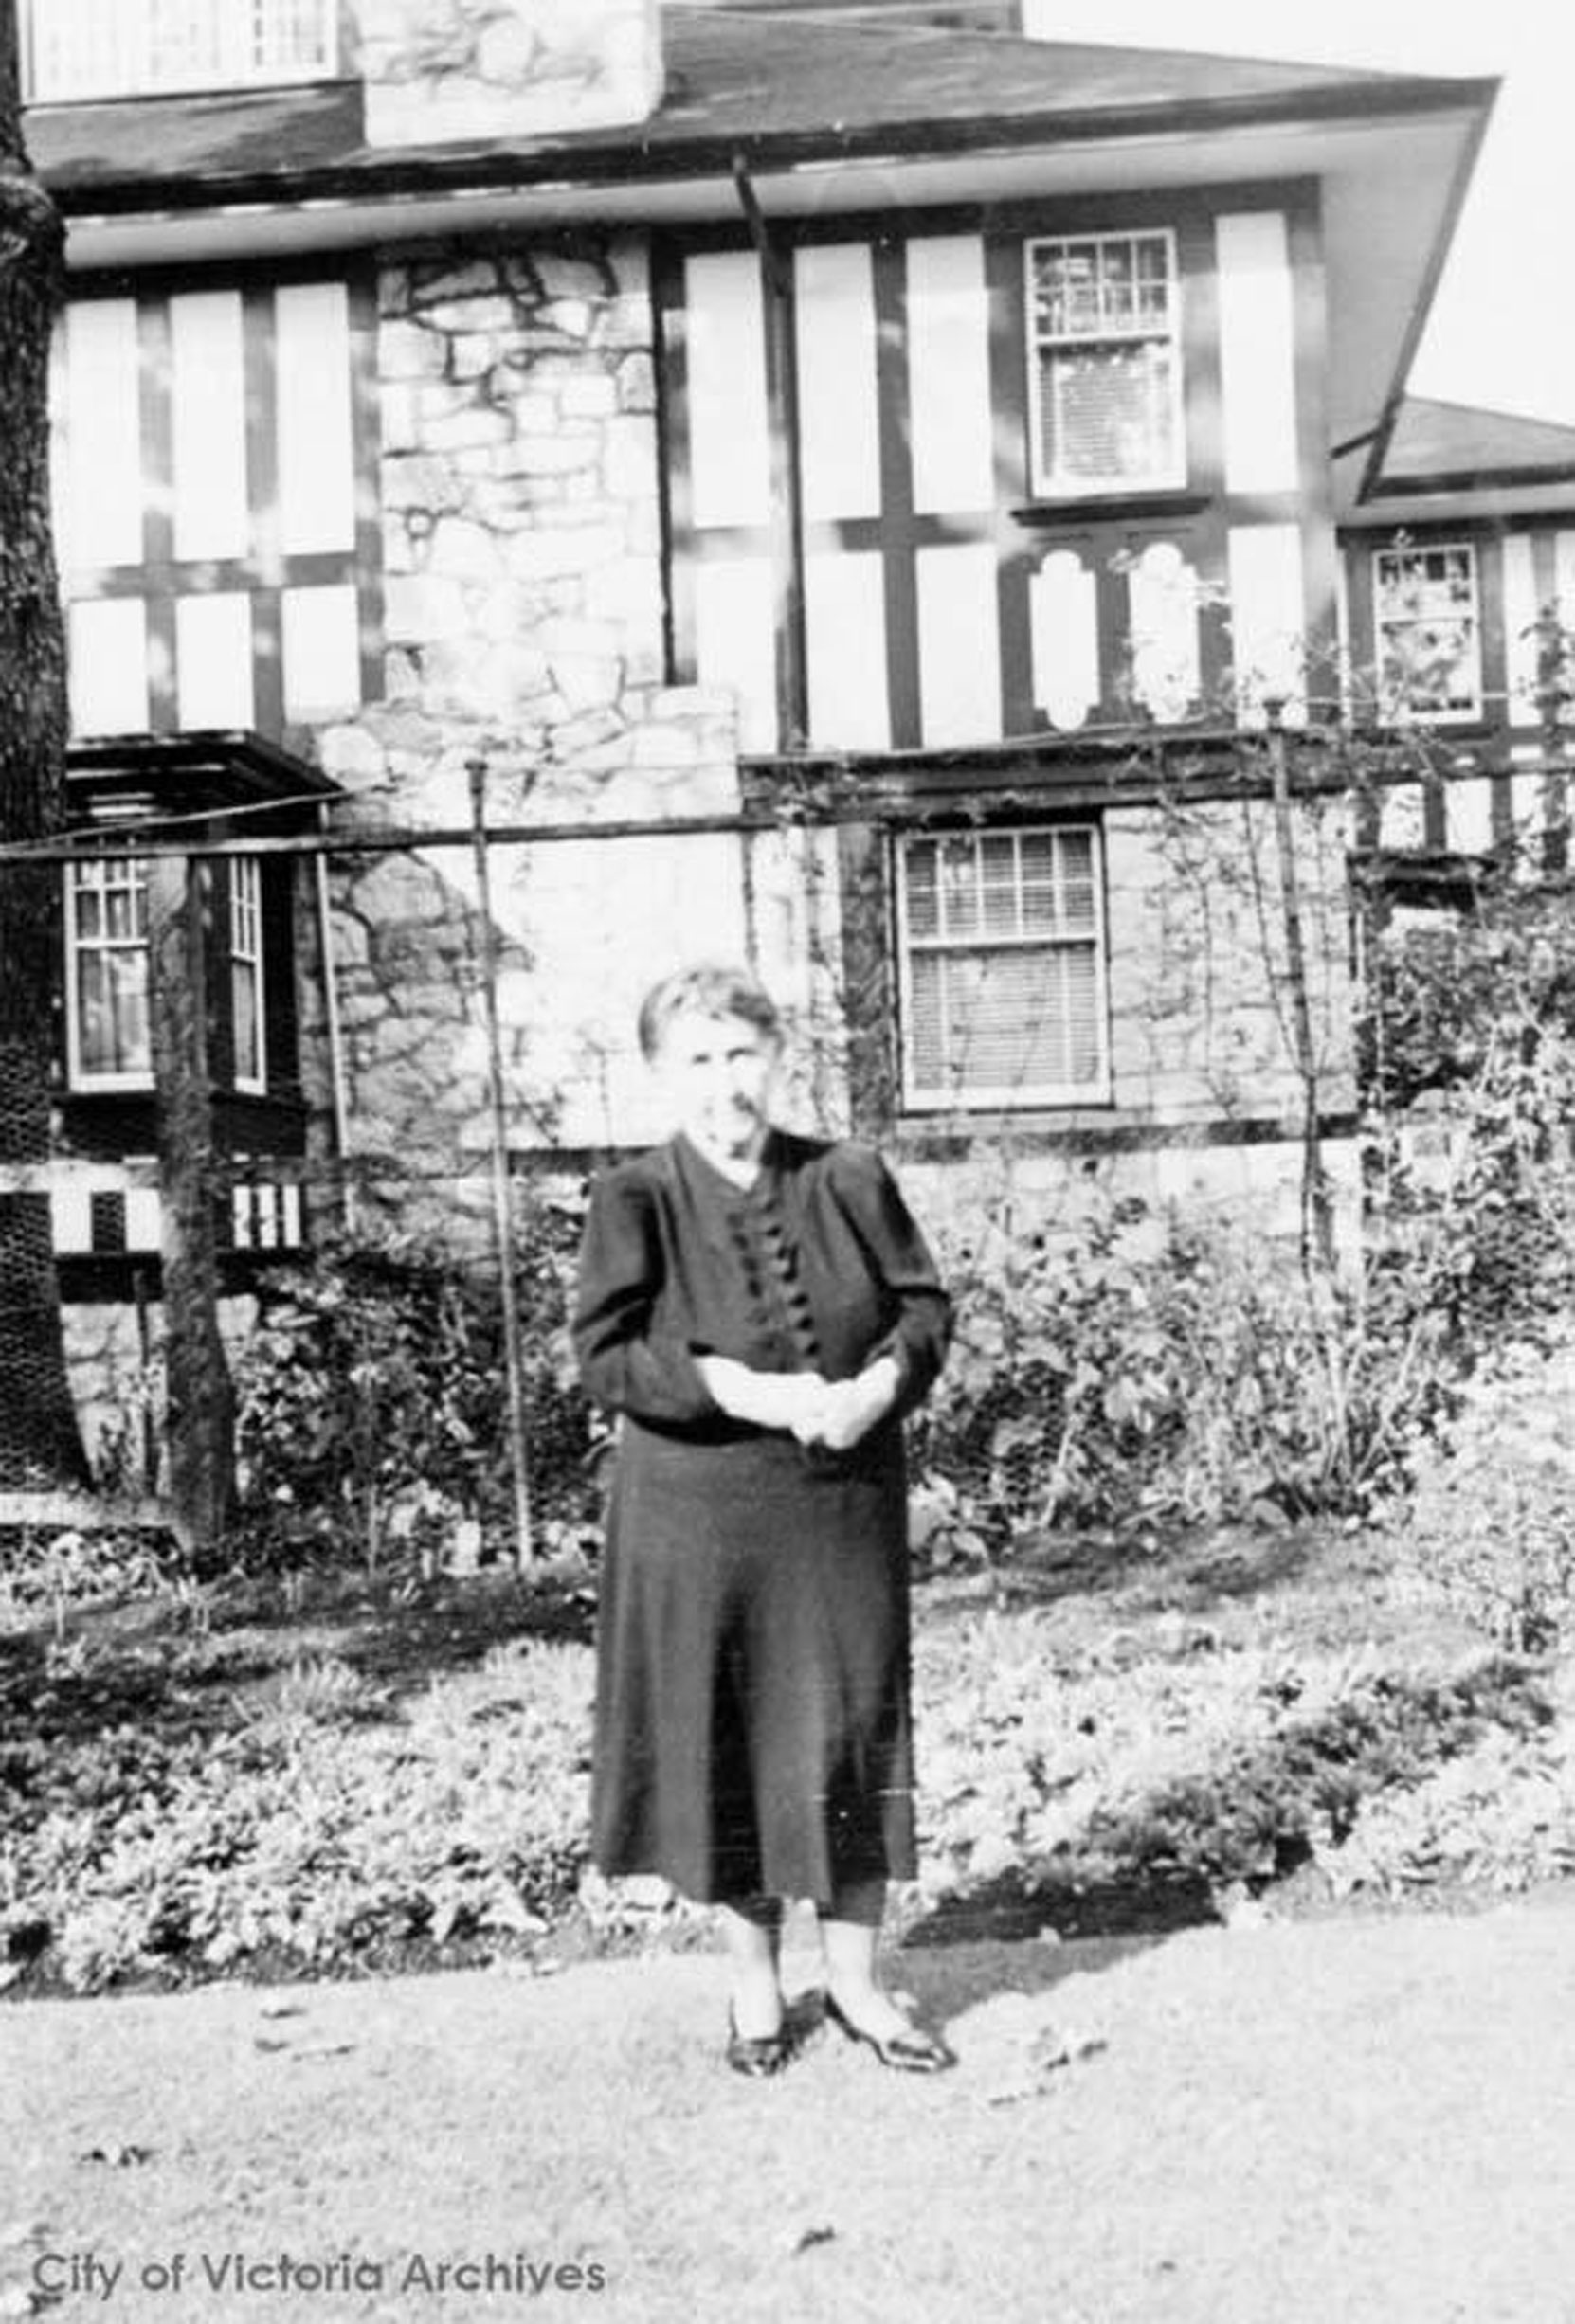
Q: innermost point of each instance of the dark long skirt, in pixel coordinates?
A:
(753, 1731)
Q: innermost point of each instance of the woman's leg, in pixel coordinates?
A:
(752, 1934)
(849, 1932)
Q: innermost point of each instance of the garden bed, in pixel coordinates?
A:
(320, 1778)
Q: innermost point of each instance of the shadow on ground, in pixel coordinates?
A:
(1223, 1567)
(1007, 1911)
(168, 1670)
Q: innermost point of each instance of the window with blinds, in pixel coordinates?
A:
(1003, 968)
(1104, 352)
(1429, 631)
(79, 50)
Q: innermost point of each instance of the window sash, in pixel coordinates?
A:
(108, 1029)
(1021, 911)
(248, 1015)
(1104, 364)
(1428, 631)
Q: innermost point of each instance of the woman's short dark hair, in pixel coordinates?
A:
(711, 988)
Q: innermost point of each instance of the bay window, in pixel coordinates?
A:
(108, 1015)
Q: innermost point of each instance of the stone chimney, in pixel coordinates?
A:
(457, 71)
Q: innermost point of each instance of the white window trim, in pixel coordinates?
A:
(1020, 1096)
(1402, 714)
(79, 1076)
(1045, 484)
(245, 871)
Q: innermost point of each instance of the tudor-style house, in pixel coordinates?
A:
(851, 484)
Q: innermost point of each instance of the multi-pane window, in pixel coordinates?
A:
(1003, 972)
(80, 49)
(245, 971)
(1105, 367)
(107, 973)
(1429, 631)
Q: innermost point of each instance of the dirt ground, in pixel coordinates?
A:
(1370, 2120)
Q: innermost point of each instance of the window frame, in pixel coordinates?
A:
(88, 1080)
(136, 60)
(1046, 484)
(1405, 713)
(992, 1098)
(246, 918)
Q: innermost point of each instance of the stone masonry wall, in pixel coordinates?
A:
(1200, 1002)
(524, 627)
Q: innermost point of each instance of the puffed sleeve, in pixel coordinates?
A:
(625, 1364)
(900, 1260)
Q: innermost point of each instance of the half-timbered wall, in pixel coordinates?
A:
(880, 387)
(215, 504)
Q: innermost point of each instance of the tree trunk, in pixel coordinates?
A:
(40, 1445)
(199, 1402)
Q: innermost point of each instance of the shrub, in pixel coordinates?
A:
(70, 1568)
(1492, 1518)
(1139, 1367)
(373, 1399)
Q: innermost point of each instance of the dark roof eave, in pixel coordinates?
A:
(591, 162)
(271, 772)
(1471, 481)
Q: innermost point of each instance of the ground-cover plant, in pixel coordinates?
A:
(1199, 1723)
(1204, 1765)
(307, 1839)
(1500, 1817)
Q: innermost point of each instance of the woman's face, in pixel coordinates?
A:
(717, 1073)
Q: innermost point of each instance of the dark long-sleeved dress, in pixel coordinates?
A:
(752, 1733)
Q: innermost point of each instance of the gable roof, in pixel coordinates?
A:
(774, 84)
(1437, 446)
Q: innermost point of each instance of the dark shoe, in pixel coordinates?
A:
(757, 2054)
(912, 2051)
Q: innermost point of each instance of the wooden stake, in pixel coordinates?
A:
(502, 1207)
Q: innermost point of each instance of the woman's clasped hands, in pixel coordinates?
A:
(831, 1414)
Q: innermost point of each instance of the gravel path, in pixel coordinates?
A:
(1370, 2121)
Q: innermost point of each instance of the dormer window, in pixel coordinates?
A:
(1105, 367)
(81, 50)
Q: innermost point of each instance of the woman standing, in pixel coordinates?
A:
(761, 1312)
